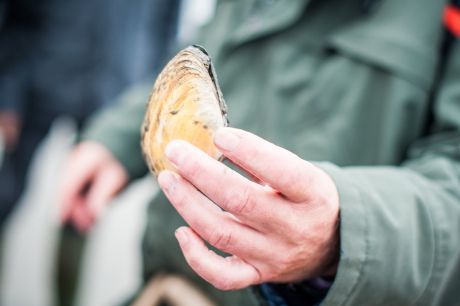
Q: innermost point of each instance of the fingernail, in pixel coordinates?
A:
(175, 151)
(167, 181)
(181, 235)
(226, 139)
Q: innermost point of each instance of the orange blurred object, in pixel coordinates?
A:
(187, 104)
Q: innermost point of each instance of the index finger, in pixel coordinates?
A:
(276, 166)
(225, 187)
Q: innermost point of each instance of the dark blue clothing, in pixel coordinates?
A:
(70, 58)
(308, 293)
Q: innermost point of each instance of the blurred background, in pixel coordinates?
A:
(60, 62)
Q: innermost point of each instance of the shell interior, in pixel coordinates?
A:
(186, 103)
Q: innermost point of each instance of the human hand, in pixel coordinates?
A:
(284, 229)
(10, 128)
(92, 177)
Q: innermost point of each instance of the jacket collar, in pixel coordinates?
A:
(267, 17)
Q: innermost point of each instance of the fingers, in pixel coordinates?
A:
(225, 187)
(81, 218)
(107, 183)
(79, 171)
(230, 273)
(267, 162)
(217, 227)
(91, 179)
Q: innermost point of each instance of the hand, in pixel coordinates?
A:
(10, 128)
(92, 177)
(283, 230)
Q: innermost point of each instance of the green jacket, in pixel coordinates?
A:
(348, 88)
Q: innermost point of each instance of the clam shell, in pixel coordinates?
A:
(186, 103)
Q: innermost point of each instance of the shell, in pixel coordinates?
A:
(186, 103)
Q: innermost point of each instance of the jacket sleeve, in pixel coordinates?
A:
(118, 129)
(400, 225)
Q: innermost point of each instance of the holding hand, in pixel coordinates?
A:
(281, 229)
(92, 177)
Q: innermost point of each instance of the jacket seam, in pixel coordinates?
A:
(366, 250)
(437, 266)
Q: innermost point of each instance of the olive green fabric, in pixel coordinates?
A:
(350, 90)
(118, 128)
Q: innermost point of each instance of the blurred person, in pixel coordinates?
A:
(358, 203)
(69, 58)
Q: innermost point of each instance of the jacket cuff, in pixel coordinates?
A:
(354, 237)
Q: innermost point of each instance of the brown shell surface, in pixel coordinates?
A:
(186, 103)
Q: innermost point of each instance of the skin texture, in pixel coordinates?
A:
(283, 227)
(91, 179)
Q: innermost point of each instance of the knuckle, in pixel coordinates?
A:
(296, 231)
(296, 178)
(287, 263)
(241, 202)
(302, 233)
(297, 182)
(221, 240)
(298, 236)
(321, 198)
(284, 263)
(305, 235)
